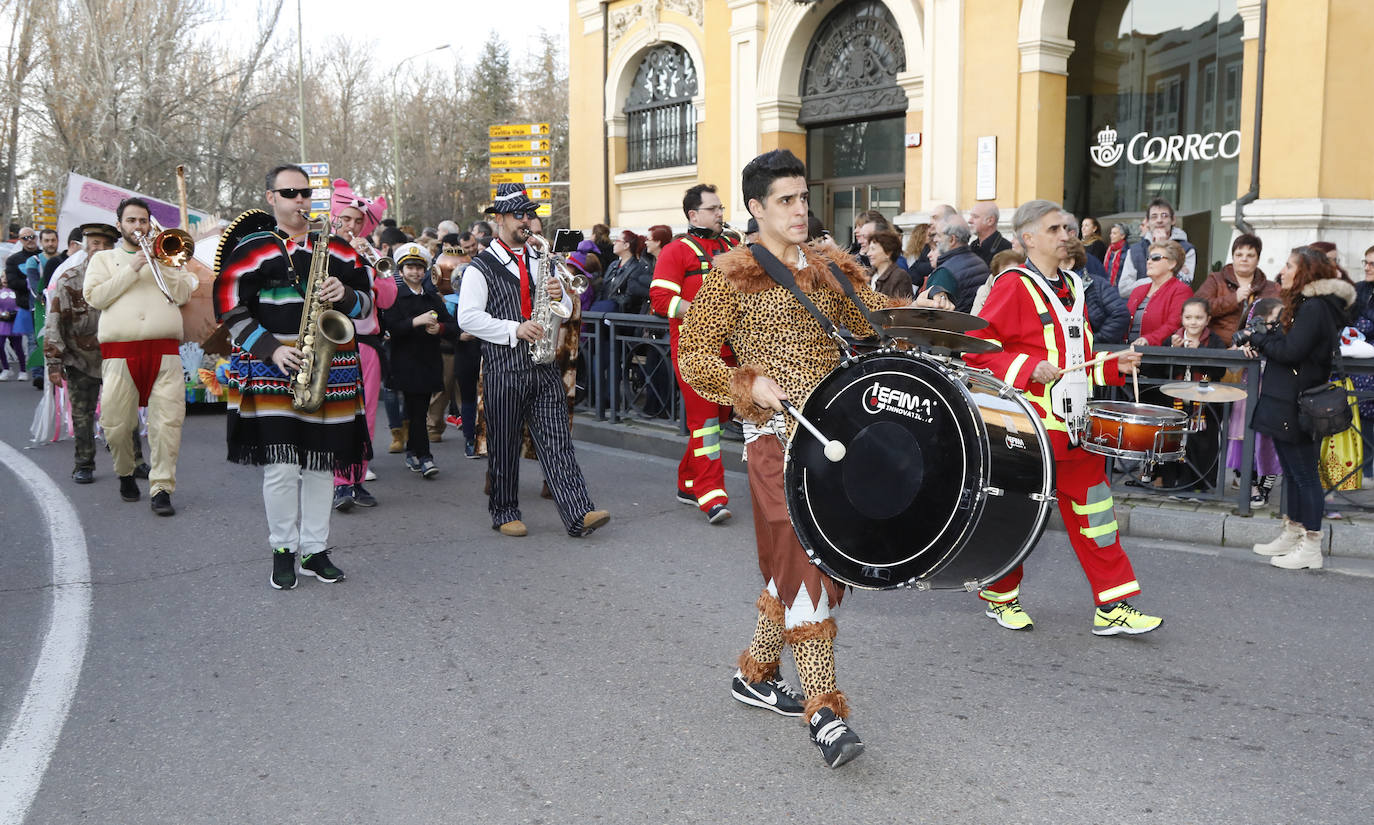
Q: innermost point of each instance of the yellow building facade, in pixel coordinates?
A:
(901, 105)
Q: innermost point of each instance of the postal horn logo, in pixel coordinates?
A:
(1107, 151)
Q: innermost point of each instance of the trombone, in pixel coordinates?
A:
(169, 247)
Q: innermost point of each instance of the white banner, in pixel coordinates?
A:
(88, 200)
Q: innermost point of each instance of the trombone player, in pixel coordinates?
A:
(140, 334)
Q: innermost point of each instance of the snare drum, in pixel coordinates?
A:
(947, 481)
(1137, 432)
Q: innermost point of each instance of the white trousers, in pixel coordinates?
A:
(298, 506)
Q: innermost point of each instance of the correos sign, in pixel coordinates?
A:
(1143, 149)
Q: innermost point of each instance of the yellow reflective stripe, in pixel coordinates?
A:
(689, 484)
(715, 428)
(1116, 593)
(1094, 532)
(673, 305)
(714, 448)
(996, 341)
(702, 499)
(998, 598)
(1050, 346)
(1016, 365)
(1095, 507)
(1099, 373)
(1053, 423)
(662, 284)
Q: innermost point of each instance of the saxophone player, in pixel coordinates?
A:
(263, 265)
(496, 304)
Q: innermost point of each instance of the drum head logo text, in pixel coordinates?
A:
(878, 398)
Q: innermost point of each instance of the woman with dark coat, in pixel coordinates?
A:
(627, 278)
(1299, 352)
(416, 322)
(1104, 306)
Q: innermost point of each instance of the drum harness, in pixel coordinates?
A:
(781, 275)
(1069, 394)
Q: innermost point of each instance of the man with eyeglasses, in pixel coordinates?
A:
(496, 305)
(263, 269)
(14, 278)
(681, 266)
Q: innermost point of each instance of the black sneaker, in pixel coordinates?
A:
(428, 468)
(128, 488)
(283, 569)
(162, 503)
(684, 497)
(470, 449)
(719, 514)
(319, 566)
(414, 464)
(83, 475)
(142, 469)
(343, 497)
(362, 497)
(838, 742)
(772, 694)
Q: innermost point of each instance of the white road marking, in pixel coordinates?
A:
(30, 743)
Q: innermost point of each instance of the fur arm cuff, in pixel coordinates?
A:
(742, 394)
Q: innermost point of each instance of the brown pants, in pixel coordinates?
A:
(781, 557)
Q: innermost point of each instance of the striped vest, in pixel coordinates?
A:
(503, 301)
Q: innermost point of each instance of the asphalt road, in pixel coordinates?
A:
(458, 676)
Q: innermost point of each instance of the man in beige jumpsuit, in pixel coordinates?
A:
(140, 335)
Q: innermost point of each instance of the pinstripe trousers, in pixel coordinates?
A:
(535, 397)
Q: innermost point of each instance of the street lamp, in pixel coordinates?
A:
(396, 127)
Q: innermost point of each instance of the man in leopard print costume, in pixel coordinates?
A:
(783, 354)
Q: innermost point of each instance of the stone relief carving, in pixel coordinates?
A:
(649, 10)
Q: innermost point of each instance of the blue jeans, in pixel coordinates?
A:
(1302, 486)
(391, 402)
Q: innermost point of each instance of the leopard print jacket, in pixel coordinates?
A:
(770, 331)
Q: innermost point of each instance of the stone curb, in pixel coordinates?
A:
(1137, 516)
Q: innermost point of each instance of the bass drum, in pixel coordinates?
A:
(947, 479)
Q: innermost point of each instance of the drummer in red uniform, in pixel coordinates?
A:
(677, 277)
(1036, 313)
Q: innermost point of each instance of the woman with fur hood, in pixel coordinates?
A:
(1299, 350)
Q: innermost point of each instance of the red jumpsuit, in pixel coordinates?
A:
(677, 276)
(1029, 331)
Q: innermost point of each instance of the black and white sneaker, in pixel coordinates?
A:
(283, 569)
(684, 497)
(838, 742)
(319, 566)
(718, 515)
(773, 694)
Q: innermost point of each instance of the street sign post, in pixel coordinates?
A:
(321, 188)
(518, 177)
(503, 146)
(535, 193)
(520, 162)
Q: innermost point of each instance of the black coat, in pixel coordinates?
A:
(969, 273)
(1301, 358)
(417, 364)
(1105, 308)
(627, 284)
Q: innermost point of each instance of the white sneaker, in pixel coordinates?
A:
(6, 375)
(371, 476)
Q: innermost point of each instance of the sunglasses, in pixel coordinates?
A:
(520, 216)
(293, 193)
(27, 237)
(1159, 257)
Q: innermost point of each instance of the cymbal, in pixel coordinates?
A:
(1203, 391)
(942, 339)
(929, 318)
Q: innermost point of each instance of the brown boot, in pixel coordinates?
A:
(398, 441)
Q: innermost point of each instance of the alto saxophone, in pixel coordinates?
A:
(542, 309)
(323, 330)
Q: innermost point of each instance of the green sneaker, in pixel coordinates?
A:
(1109, 620)
(319, 566)
(1010, 615)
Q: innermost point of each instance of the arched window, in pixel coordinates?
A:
(661, 119)
(851, 66)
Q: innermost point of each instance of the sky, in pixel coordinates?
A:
(414, 25)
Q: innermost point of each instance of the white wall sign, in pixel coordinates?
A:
(1143, 149)
(913, 140)
(987, 168)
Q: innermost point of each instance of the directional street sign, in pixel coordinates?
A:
(544, 210)
(535, 193)
(521, 162)
(500, 146)
(514, 130)
(518, 177)
(320, 188)
(316, 169)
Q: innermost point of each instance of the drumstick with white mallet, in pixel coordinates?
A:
(834, 450)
